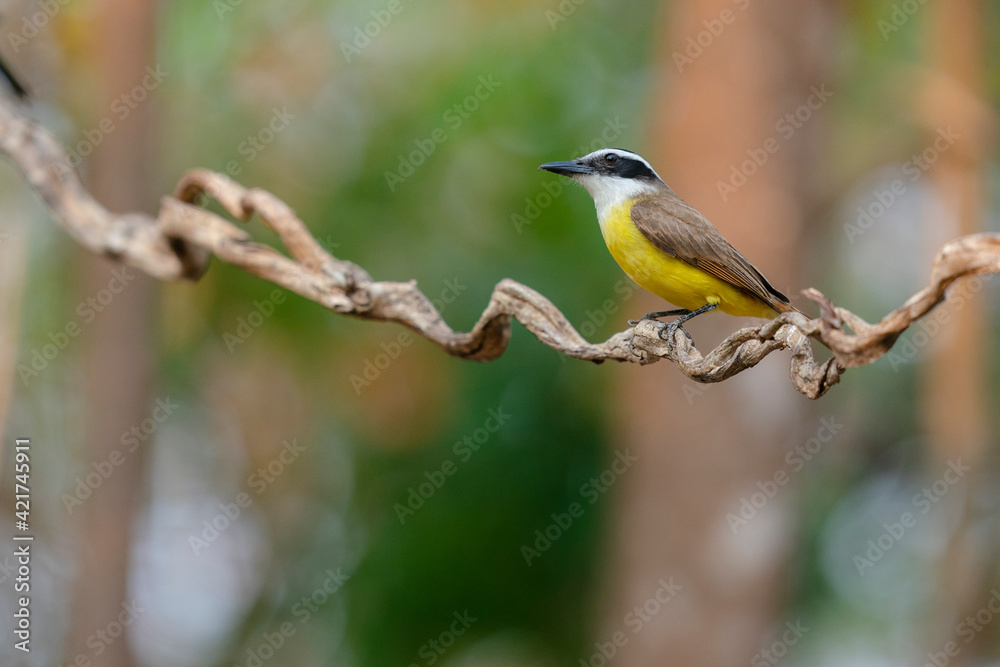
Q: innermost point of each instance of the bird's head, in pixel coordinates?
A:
(609, 173)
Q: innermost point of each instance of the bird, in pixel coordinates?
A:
(665, 245)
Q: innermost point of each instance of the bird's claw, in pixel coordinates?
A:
(666, 332)
(670, 328)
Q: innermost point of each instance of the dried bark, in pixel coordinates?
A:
(178, 243)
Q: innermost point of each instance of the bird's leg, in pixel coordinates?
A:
(672, 326)
(659, 313)
(708, 307)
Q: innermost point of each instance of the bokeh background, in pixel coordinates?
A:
(226, 474)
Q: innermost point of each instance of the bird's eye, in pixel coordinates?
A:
(610, 158)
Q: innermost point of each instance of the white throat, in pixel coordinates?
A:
(611, 191)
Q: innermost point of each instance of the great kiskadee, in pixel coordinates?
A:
(665, 245)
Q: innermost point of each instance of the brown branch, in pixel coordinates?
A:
(180, 240)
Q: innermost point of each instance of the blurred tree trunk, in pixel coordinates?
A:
(117, 345)
(956, 394)
(703, 447)
(955, 388)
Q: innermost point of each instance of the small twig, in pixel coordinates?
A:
(178, 243)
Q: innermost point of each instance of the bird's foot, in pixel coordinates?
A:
(666, 333)
(667, 330)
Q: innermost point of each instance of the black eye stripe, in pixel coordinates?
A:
(622, 165)
(629, 168)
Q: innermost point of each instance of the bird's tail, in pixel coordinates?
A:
(783, 306)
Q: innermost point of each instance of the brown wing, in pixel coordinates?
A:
(682, 232)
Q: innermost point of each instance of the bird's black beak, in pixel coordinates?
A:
(568, 168)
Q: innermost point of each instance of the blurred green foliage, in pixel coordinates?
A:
(458, 220)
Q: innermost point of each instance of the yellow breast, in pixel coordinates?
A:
(671, 279)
